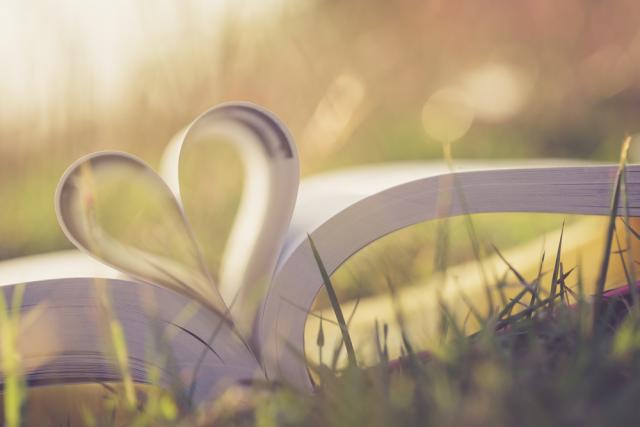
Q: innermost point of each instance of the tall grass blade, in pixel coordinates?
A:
(632, 269)
(471, 230)
(320, 341)
(536, 285)
(376, 335)
(633, 231)
(604, 265)
(516, 273)
(556, 266)
(399, 316)
(526, 312)
(563, 287)
(625, 267)
(473, 310)
(335, 304)
(117, 343)
(500, 285)
(14, 386)
(338, 350)
(441, 254)
(506, 311)
(452, 325)
(583, 310)
(310, 312)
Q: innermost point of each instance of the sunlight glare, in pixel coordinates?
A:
(50, 49)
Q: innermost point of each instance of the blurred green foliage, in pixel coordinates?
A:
(349, 78)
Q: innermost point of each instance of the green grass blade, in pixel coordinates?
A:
(536, 286)
(338, 350)
(556, 266)
(516, 273)
(335, 304)
(509, 307)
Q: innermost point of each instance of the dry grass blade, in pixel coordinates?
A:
(632, 271)
(604, 265)
(627, 269)
(630, 228)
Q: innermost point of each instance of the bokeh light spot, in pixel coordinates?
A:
(447, 115)
(496, 91)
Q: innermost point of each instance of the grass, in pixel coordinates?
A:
(335, 304)
(555, 376)
(14, 386)
(529, 364)
(491, 378)
(548, 355)
(611, 228)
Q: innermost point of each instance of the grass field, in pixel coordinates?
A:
(424, 354)
(357, 82)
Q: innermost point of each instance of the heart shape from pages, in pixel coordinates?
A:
(116, 208)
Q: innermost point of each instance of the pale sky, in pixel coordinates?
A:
(106, 37)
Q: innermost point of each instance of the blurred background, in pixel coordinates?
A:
(357, 82)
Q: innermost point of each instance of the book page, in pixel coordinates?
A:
(117, 209)
(268, 198)
(354, 218)
(54, 265)
(325, 195)
(65, 336)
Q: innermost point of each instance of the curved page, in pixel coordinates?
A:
(269, 194)
(117, 209)
(53, 265)
(354, 215)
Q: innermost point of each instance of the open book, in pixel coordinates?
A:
(249, 325)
